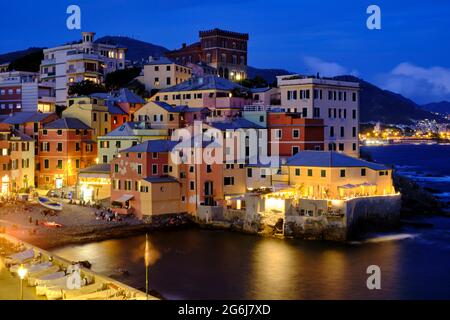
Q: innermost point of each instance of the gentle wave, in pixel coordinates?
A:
(392, 237)
(429, 179)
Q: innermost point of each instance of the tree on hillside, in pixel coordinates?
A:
(256, 82)
(30, 62)
(121, 78)
(86, 88)
(139, 88)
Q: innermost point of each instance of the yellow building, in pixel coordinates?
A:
(332, 175)
(127, 135)
(92, 112)
(163, 73)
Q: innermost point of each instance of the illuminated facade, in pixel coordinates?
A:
(16, 161)
(65, 146)
(75, 62)
(21, 91)
(336, 102)
(226, 51)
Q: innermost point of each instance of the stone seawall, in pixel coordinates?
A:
(344, 220)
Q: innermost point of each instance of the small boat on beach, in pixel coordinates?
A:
(50, 204)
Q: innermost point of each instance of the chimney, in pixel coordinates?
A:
(183, 45)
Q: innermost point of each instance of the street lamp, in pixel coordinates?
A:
(22, 273)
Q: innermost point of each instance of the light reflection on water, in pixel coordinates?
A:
(199, 264)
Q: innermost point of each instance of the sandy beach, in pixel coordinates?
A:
(79, 225)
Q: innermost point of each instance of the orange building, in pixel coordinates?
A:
(139, 177)
(293, 133)
(65, 146)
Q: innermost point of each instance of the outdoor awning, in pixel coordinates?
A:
(366, 184)
(124, 198)
(236, 197)
(348, 186)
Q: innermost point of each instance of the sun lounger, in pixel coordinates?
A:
(20, 257)
(38, 275)
(52, 276)
(108, 294)
(54, 293)
(73, 294)
(42, 285)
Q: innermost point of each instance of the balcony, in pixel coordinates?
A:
(48, 61)
(49, 74)
(83, 56)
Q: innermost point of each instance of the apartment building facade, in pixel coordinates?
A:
(17, 166)
(65, 146)
(161, 73)
(221, 96)
(78, 61)
(336, 102)
(21, 91)
(127, 135)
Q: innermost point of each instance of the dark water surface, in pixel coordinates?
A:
(200, 264)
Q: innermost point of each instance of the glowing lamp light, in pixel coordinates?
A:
(22, 272)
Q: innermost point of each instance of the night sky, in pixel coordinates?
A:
(409, 55)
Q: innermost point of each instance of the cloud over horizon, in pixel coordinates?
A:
(420, 84)
(326, 68)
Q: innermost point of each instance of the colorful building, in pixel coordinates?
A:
(163, 115)
(223, 97)
(160, 73)
(16, 161)
(332, 175)
(141, 184)
(65, 146)
(334, 101)
(127, 135)
(92, 112)
(94, 183)
(226, 51)
(21, 91)
(293, 133)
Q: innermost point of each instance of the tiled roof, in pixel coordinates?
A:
(160, 179)
(209, 82)
(25, 116)
(127, 128)
(329, 159)
(122, 95)
(66, 123)
(259, 90)
(153, 146)
(127, 96)
(169, 107)
(176, 109)
(113, 108)
(160, 60)
(238, 123)
(21, 135)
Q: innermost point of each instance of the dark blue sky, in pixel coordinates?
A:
(409, 55)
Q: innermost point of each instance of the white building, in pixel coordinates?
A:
(336, 102)
(21, 91)
(83, 60)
